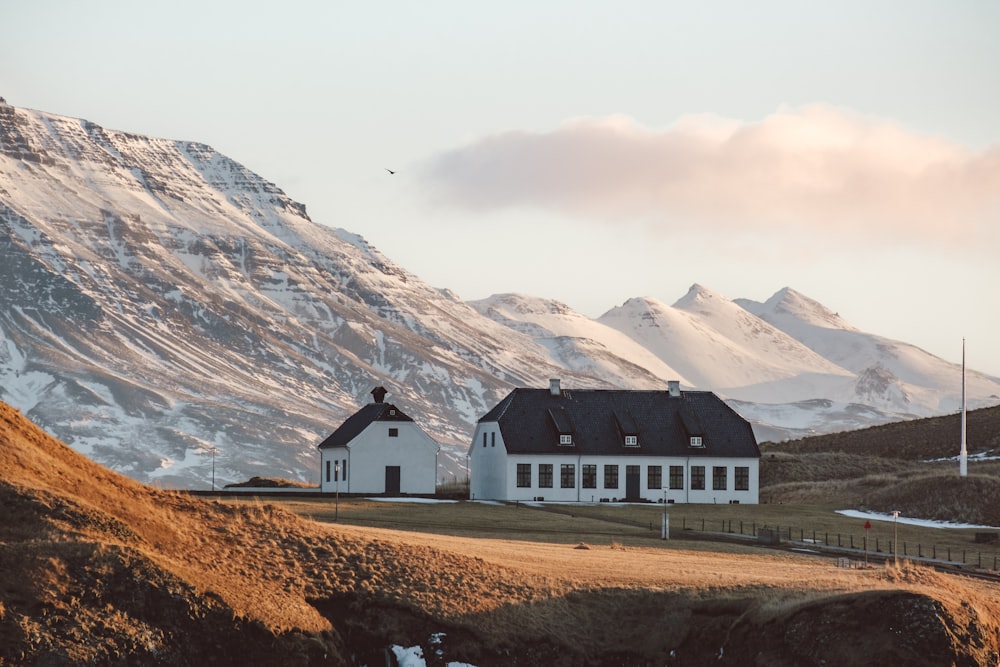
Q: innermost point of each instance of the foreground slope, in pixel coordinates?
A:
(96, 568)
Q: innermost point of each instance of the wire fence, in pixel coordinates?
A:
(852, 543)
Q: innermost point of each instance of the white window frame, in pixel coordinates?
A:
(696, 441)
(565, 439)
(631, 441)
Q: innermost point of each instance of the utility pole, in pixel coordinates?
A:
(895, 539)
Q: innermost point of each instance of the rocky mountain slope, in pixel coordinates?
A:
(174, 316)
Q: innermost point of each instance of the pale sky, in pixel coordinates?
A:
(587, 151)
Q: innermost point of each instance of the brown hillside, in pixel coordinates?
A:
(97, 569)
(915, 440)
(903, 465)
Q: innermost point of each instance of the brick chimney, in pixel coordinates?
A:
(554, 387)
(674, 387)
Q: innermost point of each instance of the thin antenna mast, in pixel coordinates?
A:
(963, 457)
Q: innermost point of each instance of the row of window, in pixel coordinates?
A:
(339, 469)
(654, 476)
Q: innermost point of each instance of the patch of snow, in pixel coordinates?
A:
(927, 523)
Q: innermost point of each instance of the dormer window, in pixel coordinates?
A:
(696, 441)
(631, 441)
(566, 439)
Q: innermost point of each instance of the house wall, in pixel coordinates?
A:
(487, 463)
(494, 475)
(373, 450)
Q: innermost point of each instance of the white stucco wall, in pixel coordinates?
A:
(373, 450)
(493, 475)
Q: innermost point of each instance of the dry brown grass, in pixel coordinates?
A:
(93, 564)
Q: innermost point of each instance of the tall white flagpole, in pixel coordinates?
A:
(963, 457)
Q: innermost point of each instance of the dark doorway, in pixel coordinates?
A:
(631, 482)
(392, 480)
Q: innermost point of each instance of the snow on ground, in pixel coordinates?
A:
(414, 655)
(875, 516)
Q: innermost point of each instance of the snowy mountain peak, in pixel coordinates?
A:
(788, 304)
(161, 303)
(698, 297)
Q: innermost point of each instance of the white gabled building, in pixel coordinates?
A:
(379, 450)
(589, 445)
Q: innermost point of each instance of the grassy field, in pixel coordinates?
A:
(695, 527)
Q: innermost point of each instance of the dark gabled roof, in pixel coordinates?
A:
(360, 420)
(599, 419)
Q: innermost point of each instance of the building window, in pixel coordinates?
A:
(484, 438)
(545, 475)
(696, 441)
(343, 468)
(393, 432)
(718, 478)
(493, 439)
(654, 477)
(523, 475)
(742, 478)
(610, 477)
(328, 471)
(565, 439)
(589, 476)
(697, 478)
(567, 476)
(631, 441)
(676, 477)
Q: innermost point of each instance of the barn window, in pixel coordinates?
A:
(610, 477)
(719, 474)
(654, 477)
(676, 477)
(742, 478)
(393, 432)
(567, 476)
(698, 478)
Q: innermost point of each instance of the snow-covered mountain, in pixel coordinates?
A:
(159, 303)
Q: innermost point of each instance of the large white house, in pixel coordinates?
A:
(379, 450)
(589, 445)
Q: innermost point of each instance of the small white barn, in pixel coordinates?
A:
(379, 450)
(588, 445)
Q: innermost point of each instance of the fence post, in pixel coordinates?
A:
(852, 540)
(838, 540)
(826, 539)
(703, 524)
(878, 549)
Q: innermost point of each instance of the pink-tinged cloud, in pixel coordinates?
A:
(816, 168)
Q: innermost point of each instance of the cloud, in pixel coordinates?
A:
(814, 169)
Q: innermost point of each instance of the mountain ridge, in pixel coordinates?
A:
(164, 309)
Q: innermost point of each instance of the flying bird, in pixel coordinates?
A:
(389, 170)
